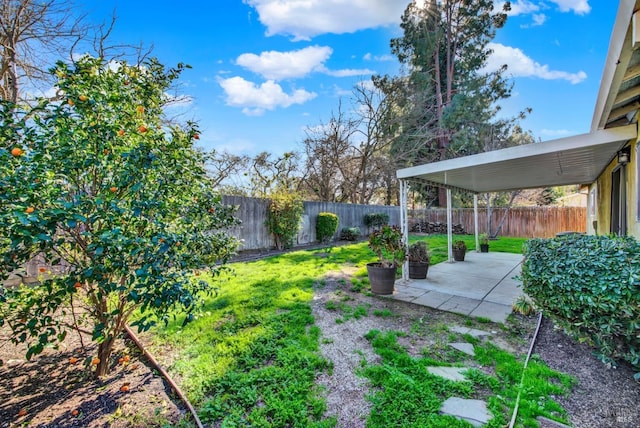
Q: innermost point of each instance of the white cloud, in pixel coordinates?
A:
(256, 99)
(381, 58)
(284, 65)
(579, 7)
(520, 65)
(556, 133)
(304, 19)
(538, 19)
(347, 72)
(519, 7)
(274, 65)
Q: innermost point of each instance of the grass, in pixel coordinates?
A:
(251, 357)
(406, 394)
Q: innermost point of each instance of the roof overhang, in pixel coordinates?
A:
(579, 159)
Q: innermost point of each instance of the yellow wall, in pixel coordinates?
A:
(603, 197)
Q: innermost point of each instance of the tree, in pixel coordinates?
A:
(35, 33)
(118, 205)
(447, 100)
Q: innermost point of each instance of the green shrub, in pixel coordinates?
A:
(376, 220)
(350, 233)
(590, 286)
(326, 226)
(283, 219)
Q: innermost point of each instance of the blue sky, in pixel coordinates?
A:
(264, 70)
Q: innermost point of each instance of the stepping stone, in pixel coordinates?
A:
(472, 331)
(451, 373)
(473, 411)
(467, 348)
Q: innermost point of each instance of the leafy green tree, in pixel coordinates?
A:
(116, 202)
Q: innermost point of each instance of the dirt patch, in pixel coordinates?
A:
(52, 390)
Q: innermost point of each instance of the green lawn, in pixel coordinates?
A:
(251, 358)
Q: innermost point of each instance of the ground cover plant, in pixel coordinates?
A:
(251, 358)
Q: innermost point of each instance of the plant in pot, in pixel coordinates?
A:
(459, 249)
(484, 243)
(389, 246)
(418, 260)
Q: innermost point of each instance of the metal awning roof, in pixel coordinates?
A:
(579, 159)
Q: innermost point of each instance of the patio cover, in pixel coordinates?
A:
(578, 159)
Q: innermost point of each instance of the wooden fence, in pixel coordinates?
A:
(538, 222)
(253, 212)
(529, 222)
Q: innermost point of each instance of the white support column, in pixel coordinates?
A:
(404, 223)
(475, 219)
(449, 227)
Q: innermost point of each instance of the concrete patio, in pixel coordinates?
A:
(481, 286)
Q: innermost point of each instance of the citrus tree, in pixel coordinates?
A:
(114, 200)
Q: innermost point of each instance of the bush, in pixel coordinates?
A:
(284, 216)
(350, 233)
(589, 286)
(326, 226)
(376, 220)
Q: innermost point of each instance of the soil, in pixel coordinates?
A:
(49, 388)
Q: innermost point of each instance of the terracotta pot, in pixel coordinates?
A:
(382, 279)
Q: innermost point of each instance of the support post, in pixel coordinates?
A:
(404, 223)
(475, 219)
(449, 227)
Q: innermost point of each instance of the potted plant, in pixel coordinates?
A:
(459, 249)
(389, 246)
(418, 260)
(484, 243)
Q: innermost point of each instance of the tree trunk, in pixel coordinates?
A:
(104, 355)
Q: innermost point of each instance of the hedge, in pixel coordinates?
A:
(326, 226)
(590, 285)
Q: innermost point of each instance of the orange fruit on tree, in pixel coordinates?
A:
(124, 388)
(95, 361)
(16, 151)
(70, 102)
(73, 360)
(42, 270)
(29, 210)
(113, 189)
(121, 132)
(83, 98)
(140, 109)
(142, 129)
(196, 137)
(78, 285)
(120, 360)
(22, 412)
(126, 358)
(133, 367)
(75, 412)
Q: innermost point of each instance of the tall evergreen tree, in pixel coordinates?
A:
(447, 101)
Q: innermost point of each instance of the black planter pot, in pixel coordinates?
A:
(458, 254)
(418, 270)
(484, 248)
(382, 279)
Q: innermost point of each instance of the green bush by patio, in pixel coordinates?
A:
(590, 286)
